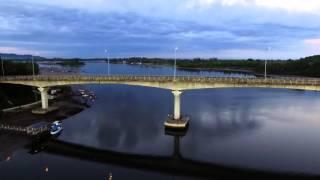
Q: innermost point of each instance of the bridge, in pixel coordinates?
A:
(175, 84)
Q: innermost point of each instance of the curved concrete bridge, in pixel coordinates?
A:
(179, 83)
(175, 84)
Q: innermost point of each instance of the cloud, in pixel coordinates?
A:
(22, 51)
(306, 6)
(207, 28)
(303, 6)
(203, 4)
(313, 42)
(313, 45)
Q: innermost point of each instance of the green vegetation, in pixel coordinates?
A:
(71, 62)
(216, 64)
(309, 66)
(13, 95)
(12, 68)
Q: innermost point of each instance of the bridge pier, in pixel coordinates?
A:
(44, 97)
(177, 104)
(176, 121)
(177, 136)
(44, 103)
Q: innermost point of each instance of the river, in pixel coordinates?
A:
(264, 129)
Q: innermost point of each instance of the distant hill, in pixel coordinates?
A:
(315, 59)
(308, 66)
(12, 56)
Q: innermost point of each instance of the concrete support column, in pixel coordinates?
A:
(177, 102)
(44, 97)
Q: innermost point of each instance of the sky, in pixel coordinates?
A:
(277, 29)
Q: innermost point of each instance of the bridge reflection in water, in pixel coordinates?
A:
(175, 164)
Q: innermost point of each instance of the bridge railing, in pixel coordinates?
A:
(250, 80)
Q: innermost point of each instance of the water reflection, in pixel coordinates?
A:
(56, 159)
(9, 144)
(122, 118)
(273, 128)
(174, 164)
(227, 125)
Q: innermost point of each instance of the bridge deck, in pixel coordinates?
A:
(280, 80)
(166, 82)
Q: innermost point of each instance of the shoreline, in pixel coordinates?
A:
(244, 71)
(24, 106)
(68, 105)
(231, 70)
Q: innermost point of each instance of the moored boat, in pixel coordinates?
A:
(56, 128)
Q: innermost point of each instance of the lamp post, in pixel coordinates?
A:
(106, 51)
(2, 66)
(265, 63)
(32, 60)
(175, 63)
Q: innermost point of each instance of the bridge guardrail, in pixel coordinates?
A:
(247, 80)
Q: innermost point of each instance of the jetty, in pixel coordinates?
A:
(32, 130)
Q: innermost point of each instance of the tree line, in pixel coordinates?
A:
(12, 68)
(309, 66)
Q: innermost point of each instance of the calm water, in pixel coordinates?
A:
(268, 129)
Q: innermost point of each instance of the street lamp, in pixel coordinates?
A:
(32, 60)
(265, 63)
(106, 51)
(175, 63)
(2, 66)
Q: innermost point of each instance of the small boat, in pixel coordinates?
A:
(56, 128)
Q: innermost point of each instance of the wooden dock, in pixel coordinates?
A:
(32, 130)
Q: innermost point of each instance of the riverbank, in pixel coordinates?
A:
(307, 67)
(25, 106)
(66, 106)
(227, 70)
(241, 71)
(224, 70)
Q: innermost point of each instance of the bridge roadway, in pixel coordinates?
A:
(175, 84)
(179, 83)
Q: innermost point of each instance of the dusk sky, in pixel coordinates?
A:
(153, 28)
